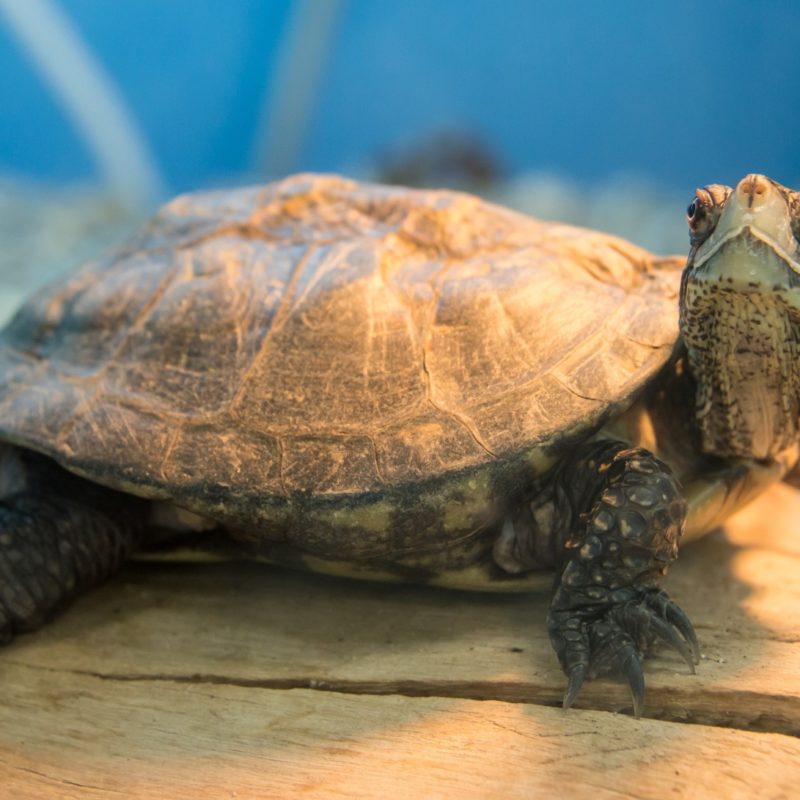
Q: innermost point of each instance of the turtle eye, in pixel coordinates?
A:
(696, 211)
(700, 215)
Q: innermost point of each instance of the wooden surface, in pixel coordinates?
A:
(213, 680)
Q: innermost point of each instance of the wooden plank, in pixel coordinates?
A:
(79, 737)
(254, 624)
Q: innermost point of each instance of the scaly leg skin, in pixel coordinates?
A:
(608, 608)
(59, 535)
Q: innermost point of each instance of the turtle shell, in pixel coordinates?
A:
(324, 339)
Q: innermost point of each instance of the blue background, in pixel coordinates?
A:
(682, 92)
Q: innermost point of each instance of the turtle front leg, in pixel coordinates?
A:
(59, 535)
(607, 607)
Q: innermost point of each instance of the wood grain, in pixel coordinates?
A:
(162, 740)
(240, 680)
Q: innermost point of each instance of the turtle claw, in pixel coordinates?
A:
(664, 614)
(633, 672)
(670, 635)
(576, 678)
(678, 619)
(611, 638)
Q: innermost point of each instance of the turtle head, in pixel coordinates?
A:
(740, 316)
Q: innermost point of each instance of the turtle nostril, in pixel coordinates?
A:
(753, 186)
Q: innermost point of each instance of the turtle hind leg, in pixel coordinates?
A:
(607, 608)
(59, 536)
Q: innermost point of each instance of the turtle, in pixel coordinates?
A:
(412, 385)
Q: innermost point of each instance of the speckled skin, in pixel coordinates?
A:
(406, 385)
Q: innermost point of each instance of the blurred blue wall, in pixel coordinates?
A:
(682, 92)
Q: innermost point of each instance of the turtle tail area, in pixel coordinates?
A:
(59, 535)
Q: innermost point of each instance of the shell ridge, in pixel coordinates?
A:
(95, 381)
(464, 423)
(275, 322)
